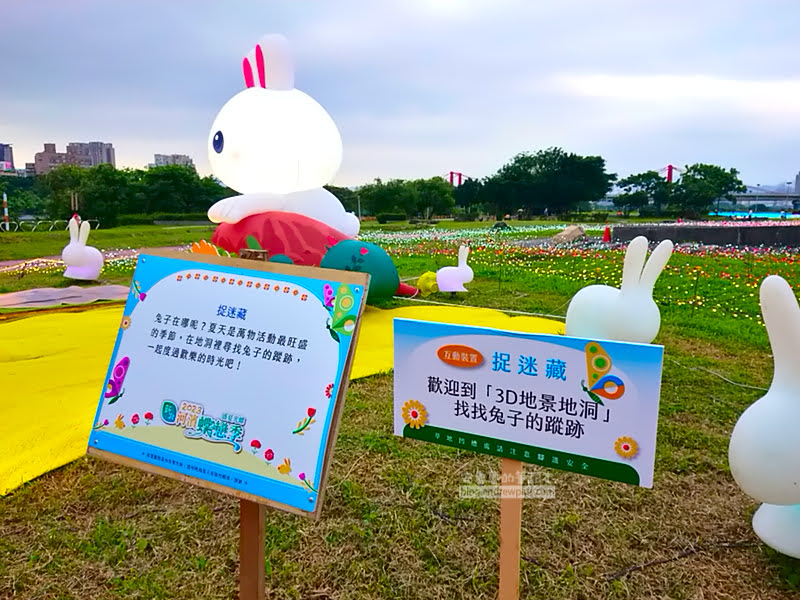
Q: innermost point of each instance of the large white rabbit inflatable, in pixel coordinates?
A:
(628, 314)
(276, 146)
(83, 262)
(764, 451)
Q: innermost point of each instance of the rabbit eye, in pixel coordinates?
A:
(218, 142)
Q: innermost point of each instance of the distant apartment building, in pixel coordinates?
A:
(78, 153)
(797, 184)
(161, 160)
(6, 157)
(98, 152)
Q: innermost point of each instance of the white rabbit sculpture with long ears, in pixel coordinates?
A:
(628, 314)
(452, 279)
(83, 262)
(764, 451)
(276, 146)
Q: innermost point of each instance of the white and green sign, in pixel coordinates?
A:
(580, 405)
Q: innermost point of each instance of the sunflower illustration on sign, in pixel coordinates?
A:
(414, 414)
(598, 364)
(343, 318)
(626, 447)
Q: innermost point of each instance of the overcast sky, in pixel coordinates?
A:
(420, 87)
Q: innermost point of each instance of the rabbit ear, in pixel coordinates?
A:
(269, 64)
(782, 319)
(84, 235)
(655, 264)
(247, 69)
(276, 60)
(463, 252)
(73, 230)
(634, 261)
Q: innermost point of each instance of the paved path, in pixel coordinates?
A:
(548, 241)
(8, 264)
(41, 297)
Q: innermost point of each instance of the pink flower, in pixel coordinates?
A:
(135, 419)
(312, 412)
(142, 296)
(269, 454)
(105, 422)
(148, 416)
(255, 444)
(302, 476)
(328, 390)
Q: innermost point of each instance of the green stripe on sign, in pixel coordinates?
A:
(595, 467)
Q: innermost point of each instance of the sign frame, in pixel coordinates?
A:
(592, 453)
(258, 268)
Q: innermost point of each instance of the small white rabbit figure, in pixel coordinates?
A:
(628, 314)
(276, 146)
(452, 279)
(764, 451)
(83, 262)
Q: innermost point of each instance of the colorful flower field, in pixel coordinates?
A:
(716, 280)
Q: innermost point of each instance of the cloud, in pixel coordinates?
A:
(777, 98)
(423, 86)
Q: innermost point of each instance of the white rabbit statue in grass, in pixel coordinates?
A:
(764, 451)
(628, 314)
(452, 279)
(276, 146)
(83, 262)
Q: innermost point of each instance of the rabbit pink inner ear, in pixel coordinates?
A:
(262, 77)
(248, 73)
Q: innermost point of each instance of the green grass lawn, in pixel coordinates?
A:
(22, 245)
(393, 525)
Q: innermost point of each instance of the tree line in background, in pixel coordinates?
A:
(105, 193)
(547, 182)
(694, 194)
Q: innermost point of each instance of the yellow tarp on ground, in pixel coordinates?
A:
(53, 366)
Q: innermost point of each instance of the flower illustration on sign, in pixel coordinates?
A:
(269, 454)
(414, 414)
(126, 322)
(328, 390)
(306, 481)
(148, 416)
(626, 447)
(135, 419)
(137, 291)
(255, 445)
(304, 424)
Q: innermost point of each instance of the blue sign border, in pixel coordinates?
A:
(150, 269)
